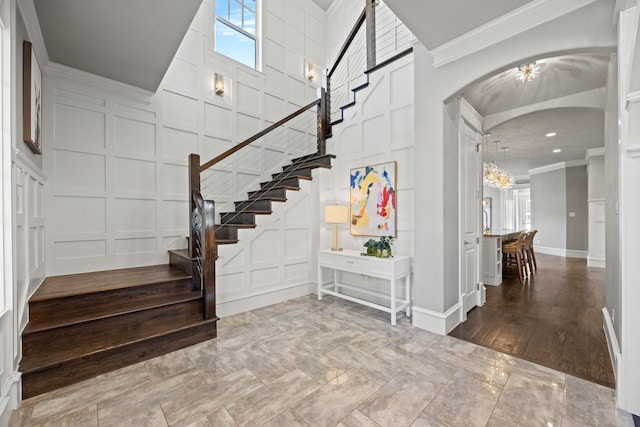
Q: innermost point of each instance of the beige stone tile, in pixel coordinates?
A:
(220, 418)
(263, 404)
(147, 396)
(68, 399)
(455, 345)
(290, 338)
(21, 416)
(227, 325)
(263, 363)
(415, 341)
(522, 367)
(426, 421)
(86, 417)
(488, 373)
(336, 399)
(528, 402)
(370, 341)
(587, 404)
(248, 335)
(326, 341)
(465, 401)
(318, 366)
(357, 419)
(401, 400)
(213, 360)
(378, 370)
(286, 419)
(149, 418)
(199, 402)
(437, 372)
(168, 365)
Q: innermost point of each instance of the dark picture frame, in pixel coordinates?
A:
(31, 99)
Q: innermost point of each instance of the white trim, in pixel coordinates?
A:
(470, 115)
(632, 98)
(32, 24)
(62, 72)
(633, 151)
(597, 262)
(515, 22)
(23, 160)
(612, 342)
(599, 201)
(233, 306)
(566, 253)
(10, 397)
(556, 166)
(595, 152)
(436, 322)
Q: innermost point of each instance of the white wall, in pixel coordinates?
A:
(588, 27)
(597, 208)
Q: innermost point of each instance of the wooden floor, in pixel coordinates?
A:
(553, 319)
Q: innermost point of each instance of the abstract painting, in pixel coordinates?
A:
(31, 99)
(373, 200)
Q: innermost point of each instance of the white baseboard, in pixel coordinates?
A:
(612, 341)
(566, 253)
(251, 302)
(436, 322)
(10, 397)
(597, 262)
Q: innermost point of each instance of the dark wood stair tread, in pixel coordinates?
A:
(156, 324)
(124, 307)
(99, 281)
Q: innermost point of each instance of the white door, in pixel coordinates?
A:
(470, 214)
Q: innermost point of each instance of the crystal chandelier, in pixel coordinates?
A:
(494, 177)
(527, 72)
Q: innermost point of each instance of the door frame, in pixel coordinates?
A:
(468, 116)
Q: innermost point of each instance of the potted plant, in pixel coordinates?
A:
(380, 248)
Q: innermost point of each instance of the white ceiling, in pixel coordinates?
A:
(577, 129)
(130, 41)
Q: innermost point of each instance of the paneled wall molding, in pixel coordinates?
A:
(10, 397)
(612, 341)
(632, 98)
(521, 19)
(62, 72)
(595, 152)
(26, 162)
(28, 10)
(633, 151)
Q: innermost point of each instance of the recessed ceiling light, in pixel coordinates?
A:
(550, 134)
(557, 150)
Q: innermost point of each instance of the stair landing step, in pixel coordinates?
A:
(124, 307)
(81, 341)
(108, 280)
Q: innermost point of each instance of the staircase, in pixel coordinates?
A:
(84, 325)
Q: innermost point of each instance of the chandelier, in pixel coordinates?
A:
(527, 72)
(494, 177)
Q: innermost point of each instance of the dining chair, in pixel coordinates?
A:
(512, 253)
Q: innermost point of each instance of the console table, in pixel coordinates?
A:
(396, 270)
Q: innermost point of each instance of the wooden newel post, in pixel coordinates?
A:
(194, 188)
(209, 260)
(322, 123)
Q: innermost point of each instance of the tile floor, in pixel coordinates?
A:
(327, 363)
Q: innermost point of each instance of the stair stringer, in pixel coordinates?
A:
(263, 268)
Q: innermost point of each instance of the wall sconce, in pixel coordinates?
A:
(335, 215)
(310, 71)
(219, 84)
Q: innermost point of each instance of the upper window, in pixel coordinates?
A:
(235, 30)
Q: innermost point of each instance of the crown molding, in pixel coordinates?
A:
(556, 166)
(28, 11)
(595, 152)
(515, 22)
(62, 72)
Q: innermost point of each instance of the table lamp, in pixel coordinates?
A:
(335, 214)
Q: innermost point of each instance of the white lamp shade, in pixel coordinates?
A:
(335, 214)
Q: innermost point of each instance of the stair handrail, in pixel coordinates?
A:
(258, 135)
(347, 42)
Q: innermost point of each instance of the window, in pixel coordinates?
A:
(235, 30)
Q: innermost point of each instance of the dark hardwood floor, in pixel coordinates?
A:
(554, 319)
